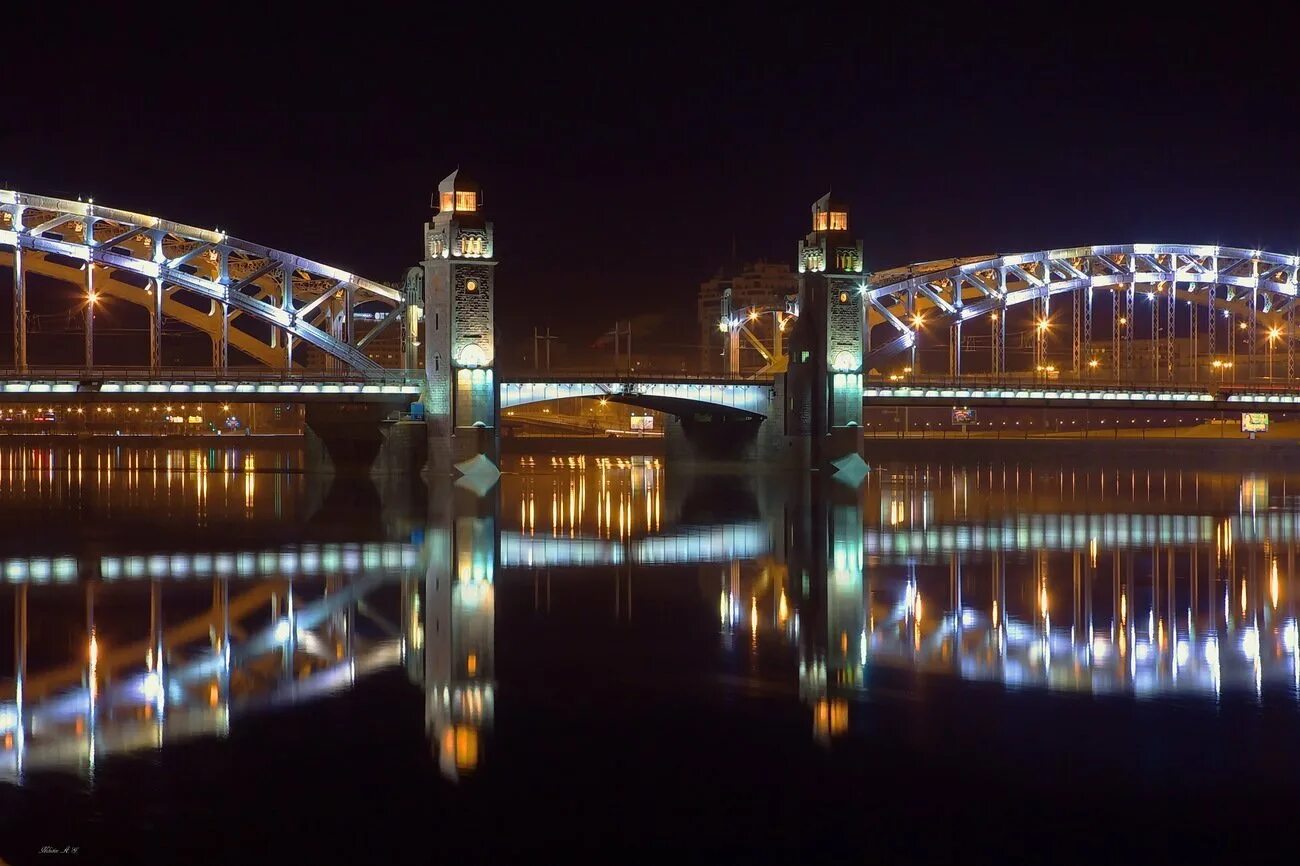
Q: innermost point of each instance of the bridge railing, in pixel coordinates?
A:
(206, 374)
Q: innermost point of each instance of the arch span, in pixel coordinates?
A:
(673, 397)
(292, 295)
(1227, 278)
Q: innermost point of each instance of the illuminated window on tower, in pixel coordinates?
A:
(839, 221)
(465, 201)
(819, 221)
(446, 201)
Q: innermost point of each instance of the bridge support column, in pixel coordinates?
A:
(20, 304)
(155, 325)
(91, 299)
(463, 405)
(364, 439)
(824, 387)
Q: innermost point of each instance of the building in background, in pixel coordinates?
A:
(753, 284)
(385, 349)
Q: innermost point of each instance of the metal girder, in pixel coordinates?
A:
(49, 225)
(306, 310)
(121, 238)
(936, 299)
(1271, 275)
(978, 282)
(185, 257)
(269, 267)
(219, 286)
(395, 315)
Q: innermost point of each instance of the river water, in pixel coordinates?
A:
(210, 655)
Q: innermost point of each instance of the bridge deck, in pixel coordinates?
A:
(1185, 397)
(242, 385)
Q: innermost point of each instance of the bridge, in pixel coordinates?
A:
(1075, 395)
(76, 386)
(1183, 327)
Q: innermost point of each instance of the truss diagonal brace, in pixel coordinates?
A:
(272, 265)
(384, 323)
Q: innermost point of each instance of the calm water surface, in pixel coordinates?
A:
(213, 656)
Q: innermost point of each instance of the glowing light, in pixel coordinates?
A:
(1043, 324)
(1250, 644)
(722, 325)
(1093, 363)
(283, 630)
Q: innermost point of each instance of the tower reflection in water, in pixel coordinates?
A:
(457, 666)
(136, 648)
(1144, 582)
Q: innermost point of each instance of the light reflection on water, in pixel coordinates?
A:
(1140, 582)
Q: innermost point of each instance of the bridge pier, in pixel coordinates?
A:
(361, 439)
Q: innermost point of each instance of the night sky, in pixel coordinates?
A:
(621, 166)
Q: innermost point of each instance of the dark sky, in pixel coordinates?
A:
(621, 156)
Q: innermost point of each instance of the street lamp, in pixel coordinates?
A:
(1043, 324)
(917, 321)
(1273, 334)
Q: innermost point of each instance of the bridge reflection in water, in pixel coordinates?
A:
(1128, 581)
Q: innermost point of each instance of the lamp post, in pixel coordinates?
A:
(1273, 334)
(917, 321)
(92, 298)
(1041, 337)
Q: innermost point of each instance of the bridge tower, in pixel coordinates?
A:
(460, 349)
(823, 388)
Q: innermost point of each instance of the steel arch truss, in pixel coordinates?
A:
(299, 299)
(1253, 281)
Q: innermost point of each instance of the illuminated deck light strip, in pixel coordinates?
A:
(1024, 394)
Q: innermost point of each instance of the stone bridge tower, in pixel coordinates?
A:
(823, 393)
(460, 349)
